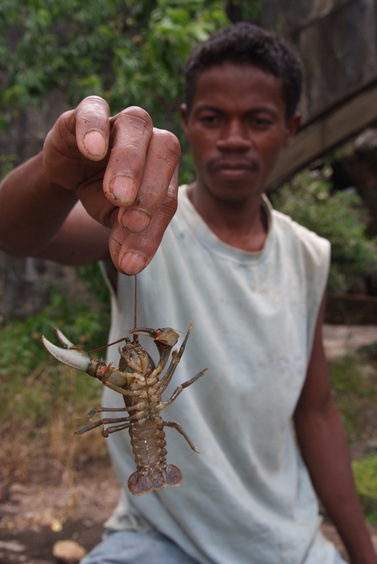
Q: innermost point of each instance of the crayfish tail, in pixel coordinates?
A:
(156, 478)
(173, 475)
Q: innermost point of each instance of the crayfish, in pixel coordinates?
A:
(137, 379)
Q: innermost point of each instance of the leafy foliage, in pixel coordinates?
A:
(354, 388)
(337, 217)
(92, 275)
(21, 346)
(353, 392)
(128, 52)
(365, 473)
(34, 388)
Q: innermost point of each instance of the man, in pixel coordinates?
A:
(251, 279)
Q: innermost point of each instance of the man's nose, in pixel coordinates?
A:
(234, 136)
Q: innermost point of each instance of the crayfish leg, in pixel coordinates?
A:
(180, 388)
(114, 428)
(106, 421)
(96, 410)
(88, 428)
(176, 426)
(176, 357)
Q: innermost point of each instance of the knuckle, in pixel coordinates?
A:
(170, 142)
(94, 101)
(138, 116)
(64, 125)
(169, 205)
(93, 110)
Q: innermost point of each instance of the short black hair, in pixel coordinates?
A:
(245, 43)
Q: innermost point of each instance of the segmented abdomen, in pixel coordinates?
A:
(148, 446)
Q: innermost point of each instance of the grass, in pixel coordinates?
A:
(43, 401)
(354, 391)
(354, 382)
(365, 473)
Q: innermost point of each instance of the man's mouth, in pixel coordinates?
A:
(233, 166)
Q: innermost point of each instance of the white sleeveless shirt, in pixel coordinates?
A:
(247, 497)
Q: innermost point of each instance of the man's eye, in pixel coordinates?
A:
(260, 123)
(209, 119)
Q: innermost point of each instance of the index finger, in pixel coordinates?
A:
(162, 160)
(130, 136)
(131, 251)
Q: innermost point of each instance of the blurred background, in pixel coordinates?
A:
(52, 54)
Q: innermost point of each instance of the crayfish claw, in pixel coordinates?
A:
(71, 356)
(166, 335)
(63, 339)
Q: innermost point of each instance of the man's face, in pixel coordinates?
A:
(236, 129)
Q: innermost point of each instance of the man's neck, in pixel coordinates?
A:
(242, 225)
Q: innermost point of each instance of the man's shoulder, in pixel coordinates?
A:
(297, 232)
(304, 253)
(301, 244)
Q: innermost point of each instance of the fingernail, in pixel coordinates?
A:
(133, 262)
(135, 220)
(94, 143)
(123, 189)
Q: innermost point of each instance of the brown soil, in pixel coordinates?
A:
(47, 506)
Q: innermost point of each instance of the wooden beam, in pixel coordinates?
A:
(326, 133)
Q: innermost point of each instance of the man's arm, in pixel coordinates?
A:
(324, 448)
(123, 171)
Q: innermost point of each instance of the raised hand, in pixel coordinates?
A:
(124, 171)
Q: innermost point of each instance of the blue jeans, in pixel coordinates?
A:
(135, 547)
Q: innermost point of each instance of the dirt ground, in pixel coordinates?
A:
(50, 504)
(49, 507)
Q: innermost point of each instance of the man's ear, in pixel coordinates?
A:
(291, 128)
(184, 116)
